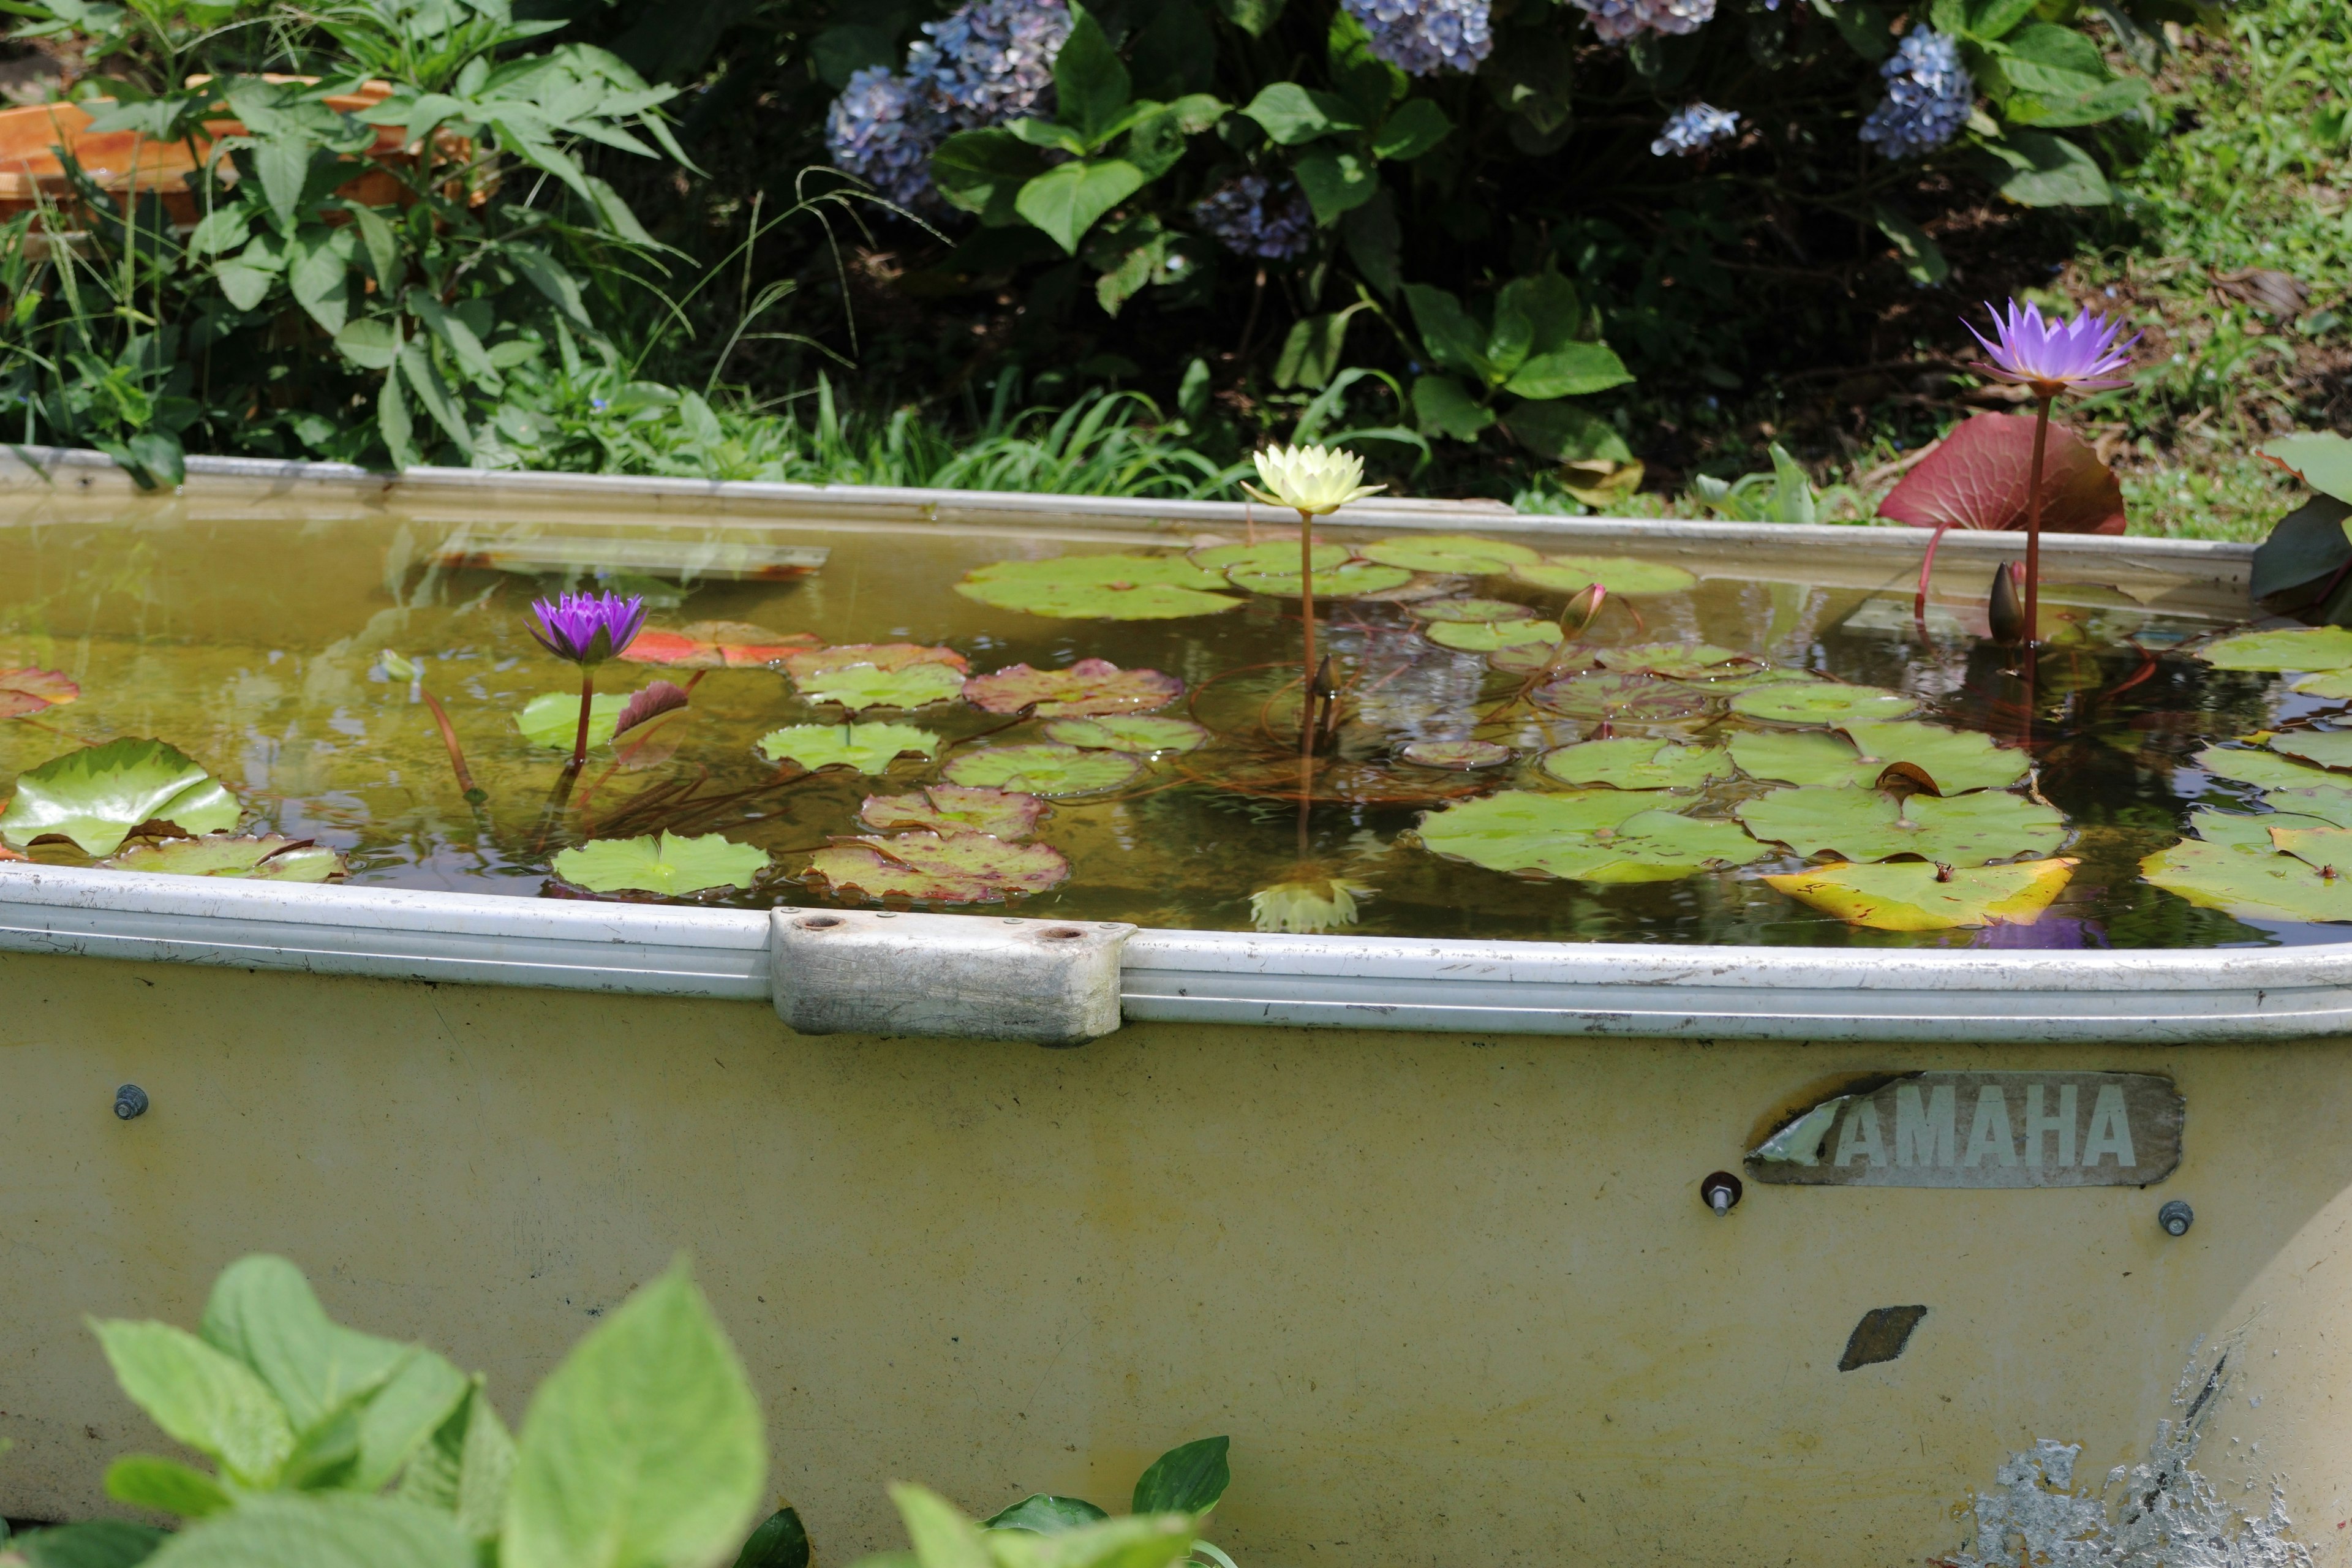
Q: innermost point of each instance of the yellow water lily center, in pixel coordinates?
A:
(1310, 481)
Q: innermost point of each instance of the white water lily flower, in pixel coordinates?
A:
(1311, 480)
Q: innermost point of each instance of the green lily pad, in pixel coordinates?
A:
(1913, 896)
(1594, 836)
(1874, 824)
(2335, 685)
(1956, 759)
(2263, 769)
(1462, 756)
(1043, 767)
(1472, 610)
(1457, 554)
(96, 797)
(552, 718)
(2250, 883)
(2304, 647)
(805, 665)
(1617, 573)
(1630, 699)
(956, 809)
(1099, 587)
(1268, 555)
(932, 868)
(868, 748)
(1139, 735)
(28, 691)
(1820, 704)
(1679, 661)
(858, 687)
(270, 858)
(1354, 580)
(1725, 685)
(669, 865)
(2330, 803)
(1088, 689)
(1630, 762)
(2246, 830)
(1486, 637)
(2322, 748)
(1540, 658)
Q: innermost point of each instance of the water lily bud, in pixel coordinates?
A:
(2005, 612)
(399, 669)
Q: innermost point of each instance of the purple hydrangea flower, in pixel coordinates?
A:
(883, 131)
(2053, 356)
(991, 60)
(1420, 37)
(585, 628)
(1618, 20)
(1694, 128)
(1928, 95)
(1251, 216)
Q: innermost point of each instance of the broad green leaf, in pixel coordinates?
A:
(1874, 825)
(2264, 769)
(2242, 830)
(2320, 459)
(643, 1448)
(545, 274)
(1143, 736)
(1569, 371)
(1486, 637)
(1593, 836)
(1268, 555)
(2036, 169)
(1091, 688)
(1628, 762)
(868, 748)
(2323, 748)
(1065, 200)
(552, 718)
(861, 686)
(669, 864)
(424, 378)
(1613, 695)
(283, 165)
(1916, 896)
(242, 283)
(984, 171)
(1417, 126)
(270, 858)
(1922, 259)
(1956, 759)
(1442, 406)
(164, 1486)
(1104, 588)
(955, 808)
(1294, 115)
(942, 1537)
(1566, 433)
(1314, 351)
(393, 424)
(2306, 647)
(211, 1402)
(340, 1530)
(401, 1417)
(1044, 1514)
(1252, 17)
(464, 1470)
(1046, 768)
(1355, 580)
(1862, 24)
(781, 1542)
(1676, 662)
(1139, 1541)
(1455, 552)
(1460, 756)
(98, 795)
(1471, 610)
(2252, 883)
(263, 1312)
(1090, 82)
(936, 869)
(96, 1544)
(1992, 19)
(371, 343)
(1337, 181)
(1820, 702)
(1617, 573)
(1188, 1478)
(456, 336)
(1453, 338)
(380, 245)
(317, 273)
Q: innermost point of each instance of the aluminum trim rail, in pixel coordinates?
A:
(1225, 977)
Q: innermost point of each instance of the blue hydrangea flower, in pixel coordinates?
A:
(883, 131)
(1251, 216)
(991, 60)
(1928, 95)
(1694, 128)
(1618, 20)
(1420, 37)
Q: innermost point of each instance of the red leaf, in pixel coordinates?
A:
(716, 645)
(1979, 478)
(23, 691)
(638, 741)
(886, 655)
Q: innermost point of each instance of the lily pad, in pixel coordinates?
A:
(1472, 610)
(1680, 662)
(2249, 883)
(1873, 825)
(270, 858)
(2335, 685)
(2247, 830)
(1460, 755)
(2330, 803)
(1956, 760)
(2304, 647)
(1724, 685)
(811, 664)
(932, 868)
(2322, 748)
(96, 797)
(1820, 702)
(868, 748)
(1630, 699)
(956, 809)
(28, 690)
(1088, 689)
(1486, 637)
(1139, 735)
(858, 687)
(669, 865)
(1913, 896)
(652, 726)
(1452, 553)
(552, 718)
(1630, 762)
(2265, 769)
(1355, 580)
(1618, 574)
(715, 645)
(1540, 658)
(1268, 555)
(1099, 587)
(1043, 767)
(1596, 836)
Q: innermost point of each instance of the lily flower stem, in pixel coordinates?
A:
(465, 786)
(2033, 528)
(587, 703)
(1307, 629)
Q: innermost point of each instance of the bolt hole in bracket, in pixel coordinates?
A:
(1720, 1190)
(969, 977)
(2176, 1217)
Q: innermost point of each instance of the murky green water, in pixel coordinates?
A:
(254, 647)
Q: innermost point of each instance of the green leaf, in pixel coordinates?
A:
(669, 864)
(1565, 433)
(402, 1416)
(335, 1530)
(283, 165)
(464, 1470)
(98, 1544)
(1065, 200)
(1417, 126)
(1140, 734)
(2253, 882)
(380, 246)
(1569, 370)
(1956, 759)
(1355, 580)
(2264, 769)
(2329, 748)
(644, 1447)
(245, 284)
(165, 1486)
(1874, 825)
(1050, 136)
(2036, 169)
(1315, 350)
(269, 858)
(938, 869)
(424, 378)
(97, 795)
(1375, 243)
(1336, 182)
(2303, 648)
(1293, 115)
(552, 718)
(560, 287)
(220, 231)
(1088, 689)
(371, 343)
(1106, 587)
(455, 335)
(983, 171)
(1913, 896)
(1991, 19)
(2050, 75)
(1457, 552)
(2320, 459)
(1443, 406)
(1593, 836)
(1630, 762)
(263, 1312)
(861, 686)
(1090, 82)
(1923, 261)
(1044, 1514)
(1452, 337)
(211, 1402)
(1486, 637)
(1188, 1478)
(1862, 24)
(1252, 17)
(1043, 767)
(868, 748)
(781, 1542)
(393, 422)
(942, 1537)
(1822, 703)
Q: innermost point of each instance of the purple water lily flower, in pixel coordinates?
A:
(2053, 356)
(587, 629)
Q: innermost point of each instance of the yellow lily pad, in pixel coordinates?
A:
(1917, 896)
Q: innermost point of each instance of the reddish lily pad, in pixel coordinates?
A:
(948, 808)
(651, 726)
(1679, 661)
(868, 748)
(1043, 767)
(669, 864)
(1472, 610)
(1979, 478)
(1916, 896)
(1632, 699)
(1089, 688)
(1140, 735)
(1617, 573)
(269, 858)
(1456, 553)
(715, 645)
(1460, 755)
(28, 691)
(933, 869)
(1100, 587)
(1268, 555)
(1630, 761)
(810, 664)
